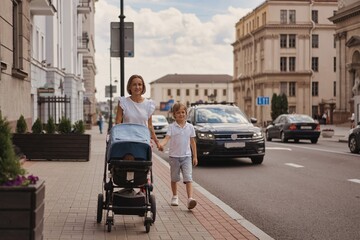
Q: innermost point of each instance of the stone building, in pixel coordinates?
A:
(286, 47)
(347, 20)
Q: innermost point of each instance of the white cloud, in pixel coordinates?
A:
(166, 42)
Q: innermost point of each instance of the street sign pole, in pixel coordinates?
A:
(122, 49)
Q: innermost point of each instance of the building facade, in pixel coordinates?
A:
(190, 88)
(286, 47)
(347, 20)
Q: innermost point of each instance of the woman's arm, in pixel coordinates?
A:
(119, 115)
(152, 133)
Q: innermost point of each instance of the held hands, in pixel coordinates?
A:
(195, 161)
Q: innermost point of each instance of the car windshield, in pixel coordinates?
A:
(300, 119)
(159, 119)
(221, 115)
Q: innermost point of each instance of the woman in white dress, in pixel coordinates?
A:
(136, 108)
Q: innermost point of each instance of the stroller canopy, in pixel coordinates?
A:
(129, 132)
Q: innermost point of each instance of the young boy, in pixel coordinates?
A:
(182, 153)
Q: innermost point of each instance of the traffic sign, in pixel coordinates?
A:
(261, 101)
(107, 90)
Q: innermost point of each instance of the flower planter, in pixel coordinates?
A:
(327, 134)
(22, 212)
(54, 146)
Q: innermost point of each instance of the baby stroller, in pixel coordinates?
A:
(129, 166)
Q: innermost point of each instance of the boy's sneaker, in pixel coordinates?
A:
(175, 201)
(191, 203)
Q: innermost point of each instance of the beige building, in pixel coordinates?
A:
(347, 20)
(190, 88)
(15, 85)
(286, 47)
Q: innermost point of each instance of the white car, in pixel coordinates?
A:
(160, 125)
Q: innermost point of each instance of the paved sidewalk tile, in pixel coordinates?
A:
(72, 187)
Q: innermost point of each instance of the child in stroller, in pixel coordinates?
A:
(129, 166)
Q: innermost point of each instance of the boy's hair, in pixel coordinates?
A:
(176, 107)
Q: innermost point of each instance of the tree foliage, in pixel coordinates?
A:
(279, 105)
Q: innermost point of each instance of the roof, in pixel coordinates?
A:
(194, 78)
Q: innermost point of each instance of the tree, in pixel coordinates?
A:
(279, 105)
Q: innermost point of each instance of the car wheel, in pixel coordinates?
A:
(314, 140)
(282, 137)
(296, 140)
(257, 160)
(353, 145)
(268, 138)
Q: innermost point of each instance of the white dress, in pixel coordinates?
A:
(134, 112)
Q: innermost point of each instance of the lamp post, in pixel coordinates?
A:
(122, 49)
(110, 107)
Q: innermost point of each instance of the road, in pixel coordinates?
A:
(301, 191)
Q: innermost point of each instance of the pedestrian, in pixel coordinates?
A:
(324, 118)
(136, 108)
(100, 122)
(182, 153)
(352, 120)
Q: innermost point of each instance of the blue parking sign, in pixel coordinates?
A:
(261, 101)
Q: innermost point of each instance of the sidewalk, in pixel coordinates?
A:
(341, 132)
(72, 188)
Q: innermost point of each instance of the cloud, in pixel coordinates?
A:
(166, 42)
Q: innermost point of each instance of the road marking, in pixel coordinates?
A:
(278, 148)
(294, 165)
(354, 180)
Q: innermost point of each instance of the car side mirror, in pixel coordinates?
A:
(253, 120)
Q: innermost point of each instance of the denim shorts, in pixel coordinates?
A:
(183, 165)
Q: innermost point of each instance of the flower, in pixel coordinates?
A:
(11, 171)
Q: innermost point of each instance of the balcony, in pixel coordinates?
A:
(83, 43)
(42, 7)
(83, 7)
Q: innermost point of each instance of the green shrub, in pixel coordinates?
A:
(79, 127)
(21, 126)
(64, 125)
(37, 127)
(10, 167)
(50, 126)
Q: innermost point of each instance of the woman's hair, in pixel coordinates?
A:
(128, 87)
(177, 106)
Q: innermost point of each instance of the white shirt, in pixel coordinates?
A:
(180, 139)
(134, 112)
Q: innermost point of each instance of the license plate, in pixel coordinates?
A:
(234, 144)
(306, 127)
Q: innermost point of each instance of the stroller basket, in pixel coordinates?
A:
(130, 174)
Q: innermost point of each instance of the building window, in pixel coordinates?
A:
(177, 92)
(283, 40)
(224, 92)
(292, 64)
(334, 64)
(196, 92)
(334, 41)
(263, 18)
(314, 16)
(334, 88)
(169, 92)
(283, 88)
(215, 92)
(283, 16)
(292, 89)
(315, 64)
(205, 92)
(187, 92)
(292, 41)
(315, 40)
(283, 64)
(315, 89)
(17, 34)
(292, 16)
(292, 109)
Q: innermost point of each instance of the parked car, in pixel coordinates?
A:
(223, 130)
(354, 139)
(160, 125)
(293, 126)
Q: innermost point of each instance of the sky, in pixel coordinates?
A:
(182, 36)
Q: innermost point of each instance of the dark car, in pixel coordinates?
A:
(293, 126)
(223, 130)
(354, 139)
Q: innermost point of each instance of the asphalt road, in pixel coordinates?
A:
(301, 191)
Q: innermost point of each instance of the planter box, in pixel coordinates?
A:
(327, 134)
(54, 146)
(22, 212)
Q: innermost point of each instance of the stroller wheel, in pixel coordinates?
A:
(100, 207)
(147, 224)
(153, 207)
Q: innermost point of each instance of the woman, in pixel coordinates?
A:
(136, 108)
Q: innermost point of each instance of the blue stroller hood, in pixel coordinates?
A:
(128, 138)
(129, 132)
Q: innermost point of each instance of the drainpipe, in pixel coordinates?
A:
(310, 56)
(251, 77)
